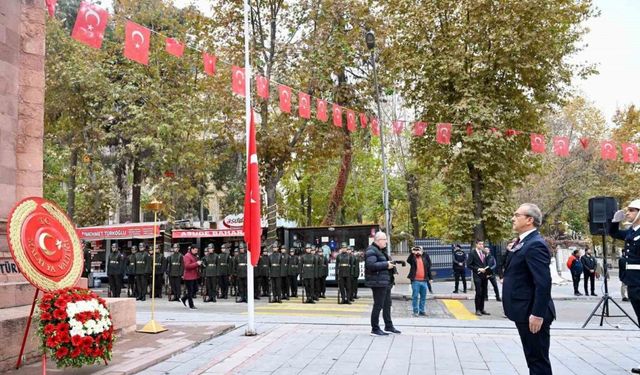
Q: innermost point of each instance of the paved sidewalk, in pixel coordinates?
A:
(349, 349)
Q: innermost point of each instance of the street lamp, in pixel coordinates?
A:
(370, 39)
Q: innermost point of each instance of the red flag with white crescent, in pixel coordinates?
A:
(351, 120)
(363, 120)
(419, 128)
(285, 98)
(209, 62)
(537, 143)
(398, 126)
(561, 146)
(262, 86)
(173, 47)
(304, 105)
(237, 80)
(251, 225)
(136, 43)
(443, 134)
(337, 115)
(629, 153)
(608, 150)
(90, 25)
(375, 128)
(321, 110)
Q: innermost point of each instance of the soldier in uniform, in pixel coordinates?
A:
(294, 270)
(210, 265)
(323, 275)
(223, 271)
(131, 273)
(355, 273)
(630, 259)
(297, 245)
(142, 269)
(275, 261)
(233, 272)
(317, 287)
(263, 272)
(115, 270)
(343, 274)
(459, 264)
(175, 269)
(284, 272)
(308, 272)
(158, 270)
(241, 272)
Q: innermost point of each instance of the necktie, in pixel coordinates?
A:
(481, 256)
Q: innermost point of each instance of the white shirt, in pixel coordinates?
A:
(635, 228)
(525, 234)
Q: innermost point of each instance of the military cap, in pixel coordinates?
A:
(343, 244)
(308, 246)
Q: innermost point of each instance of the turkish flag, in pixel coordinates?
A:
(237, 80)
(363, 120)
(337, 115)
(209, 62)
(537, 143)
(90, 24)
(512, 132)
(136, 43)
(375, 129)
(608, 150)
(561, 146)
(251, 225)
(419, 128)
(174, 47)
(398, 126)
(443, 134)
(51, 7)
(321, 110)
(629, 153)
(469, 129)
(285, 98)
(351, 120)
(262, 87)
(304, 105)
(584, 142)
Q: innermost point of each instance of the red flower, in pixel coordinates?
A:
(45, 316)
(76, 352)
(60, 314)
(76, 340)
(49, 329)
(62, 352)
(64, 337)
(63, 327)
(87, 341)
(61, 303)
(52, 342)
(87, 351)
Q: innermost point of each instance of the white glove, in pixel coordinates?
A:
(618, 216)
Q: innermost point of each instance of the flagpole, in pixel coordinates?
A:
(250, 331)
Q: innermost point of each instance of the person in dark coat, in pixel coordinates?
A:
(477, 262)
(589, 269)
(115, 271)
(275, 272)
(191, 266)
(308, 272)
(343, 274)
(491, 274)
(294, 271)
(210, 265)
(263, 273)
(142, 269)
(175, 269)
(284, 272)
(526, 291)
(86, 253)
(419, 274)
(224, 264)
(131, 274)
(379, 277)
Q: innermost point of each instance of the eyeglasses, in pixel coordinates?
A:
(516, 214)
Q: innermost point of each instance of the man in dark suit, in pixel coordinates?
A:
(477, 263)
(526, 290)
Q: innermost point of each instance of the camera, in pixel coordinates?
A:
(401, 262)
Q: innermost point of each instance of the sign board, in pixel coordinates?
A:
(116, 232)
(196, 233)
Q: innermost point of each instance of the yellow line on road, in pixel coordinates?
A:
(457, 309)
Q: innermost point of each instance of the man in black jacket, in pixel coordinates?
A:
(477, 264)
(589, 270)
(419, 274)
(379, 277)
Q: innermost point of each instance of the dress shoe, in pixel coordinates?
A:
(378, 332)
(422, 314)
(184, 301)
(310, 301)
(455, 292)
(625, 299)
(392, 330)
(484, 312)
(635, 370)
(193, 307)
(478, 313)
(593, 294)
(498, 299)
(256, 297)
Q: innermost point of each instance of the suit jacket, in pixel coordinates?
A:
(474, 262)
(526, 288)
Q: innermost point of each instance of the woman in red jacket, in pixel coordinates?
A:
(191, 265)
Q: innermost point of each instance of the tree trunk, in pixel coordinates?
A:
(121, 181)
(479, 232)
(337, 195)
(272, 209)
(414, 201)
(71, 182)
(309, 190)
(135, 192)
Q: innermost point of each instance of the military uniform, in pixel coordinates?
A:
(241, 274)
(131, 275)
(233, 274)
(317, 288)
(630, 262)
(159, 274)
(223, 274)
(294, 271)
(210, 265)
(284, 272)
(115, 272)
(175, 270)
(355, 274)
(142, 269)
(323, 276)
(459, 262)
(308, 274)
(86, 253)
(275, 272)
(263, 274)
(343, 275)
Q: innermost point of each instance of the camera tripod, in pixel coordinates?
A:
(604, 301)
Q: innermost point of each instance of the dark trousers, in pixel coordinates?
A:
(381, 301)
(589, 276)
(276, 287)
(141, 284)
(536, 348)
(175, 286)
(481, 288)
(158, 286)
(293, 285)
(308, 288)
(317, 288)
(211, 282)
(115, 285)
(576, 282)
(459, 275)
(192, 290)
(285, 286)
(323, 285)
(634, 298)
(496, 290)
(242, 288)
(264, 285)
(354, 287)
(223, 280)
(344, 284)
(131, 282)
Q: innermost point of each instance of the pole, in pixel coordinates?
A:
(26, 330)
(153, 272)
(250, 331)
(385, 192)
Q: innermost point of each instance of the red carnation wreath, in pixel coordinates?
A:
(75, 327)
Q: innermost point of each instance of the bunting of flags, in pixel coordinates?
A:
(91, 23)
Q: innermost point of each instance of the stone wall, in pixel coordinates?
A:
(22, 50)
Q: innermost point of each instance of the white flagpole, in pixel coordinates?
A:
(250, 331)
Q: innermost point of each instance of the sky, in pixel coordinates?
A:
(613, 44)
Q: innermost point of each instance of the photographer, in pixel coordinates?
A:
(419, 274)
(379, 277)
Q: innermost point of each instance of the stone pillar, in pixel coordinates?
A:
(22, 50)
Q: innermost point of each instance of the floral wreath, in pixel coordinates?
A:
(75, 327)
